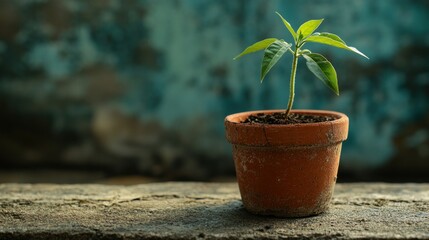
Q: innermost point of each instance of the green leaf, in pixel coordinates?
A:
(307, 28)
(323, 70)
(261, 45)
(332, 40)
(329, 35)
(304, 51)
(272, 55)
(288, 26)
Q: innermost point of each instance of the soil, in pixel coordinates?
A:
(280, 118)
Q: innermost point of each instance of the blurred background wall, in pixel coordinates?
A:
(115, 87)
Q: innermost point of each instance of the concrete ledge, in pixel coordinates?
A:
(204, 211)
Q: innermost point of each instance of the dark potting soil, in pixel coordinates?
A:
(280, 118)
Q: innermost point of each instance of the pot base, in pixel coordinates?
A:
(286, 211)
(283, 214)
(286, 182)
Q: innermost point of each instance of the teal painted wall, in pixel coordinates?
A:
(145, 85)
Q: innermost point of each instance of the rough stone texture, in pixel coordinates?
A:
(204, 211)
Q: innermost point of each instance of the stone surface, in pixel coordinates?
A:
(204, 211)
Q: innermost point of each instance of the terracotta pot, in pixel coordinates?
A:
(286, 170)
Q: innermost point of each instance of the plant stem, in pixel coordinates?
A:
(292, 81)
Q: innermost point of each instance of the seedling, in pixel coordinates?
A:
(275, 48)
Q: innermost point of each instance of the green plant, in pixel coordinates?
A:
(316, 63)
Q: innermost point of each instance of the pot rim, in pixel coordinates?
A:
(291, 135)
(236, 118)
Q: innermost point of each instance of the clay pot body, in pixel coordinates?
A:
(286, 170)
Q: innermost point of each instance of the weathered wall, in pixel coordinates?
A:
(84, 83)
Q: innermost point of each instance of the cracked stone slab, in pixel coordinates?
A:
(204, 211)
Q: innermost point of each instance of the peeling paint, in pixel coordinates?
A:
(175, 60)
